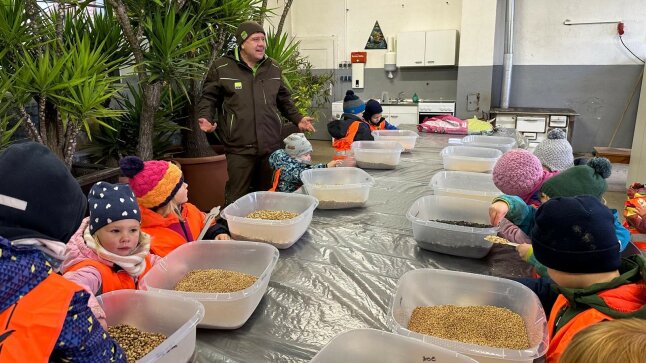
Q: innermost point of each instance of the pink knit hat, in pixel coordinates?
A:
(154, 182)
(518, 172)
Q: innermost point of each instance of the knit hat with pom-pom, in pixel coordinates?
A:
(518, 172)
(352, 103)
(555, 152)
(154, 182)
(589, 179)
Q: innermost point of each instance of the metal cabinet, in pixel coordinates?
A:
(534, 123)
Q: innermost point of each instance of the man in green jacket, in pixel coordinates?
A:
(246, 91)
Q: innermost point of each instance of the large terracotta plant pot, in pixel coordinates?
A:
(206, 177)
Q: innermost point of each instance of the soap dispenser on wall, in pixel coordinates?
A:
(390, 58)
(358, 60)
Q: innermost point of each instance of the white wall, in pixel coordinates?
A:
(351, 28)
(541, 37)
(478, 30)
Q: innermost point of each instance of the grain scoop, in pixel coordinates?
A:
(499, 240)
(214, 213)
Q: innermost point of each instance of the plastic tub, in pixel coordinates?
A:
(501, 143)
(405, 138)
(337, 188)
(225, 310)
(464, 184)
(420, 288)
(282, 234)
(468, 158)
(375, 346)
(377, 154)
(448, 238)
(174, 316)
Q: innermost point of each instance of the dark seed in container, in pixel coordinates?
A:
(463, 223)
(135, 343)
(485, 325)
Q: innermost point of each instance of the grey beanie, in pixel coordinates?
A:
(110, 203)
(297, 145)
(245, 30)
(555, 152)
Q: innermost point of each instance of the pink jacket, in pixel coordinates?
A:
(87, 277)
(530, 198)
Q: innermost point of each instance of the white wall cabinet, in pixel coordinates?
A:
(427, 49)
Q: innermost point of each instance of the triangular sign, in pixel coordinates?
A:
(376, 40)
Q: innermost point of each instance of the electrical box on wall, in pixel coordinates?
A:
(358, 60)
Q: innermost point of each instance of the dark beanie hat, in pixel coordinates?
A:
(352, 103)
(576, 235)
(110, 203)
(373, 107)
(39, 198)
(245, 30)
(589, 179)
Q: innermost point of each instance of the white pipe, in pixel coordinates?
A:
(507, 63)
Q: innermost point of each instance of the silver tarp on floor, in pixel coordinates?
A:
(342, 273)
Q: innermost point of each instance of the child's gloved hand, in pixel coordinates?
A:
(334, 163)
(222, 237)
(524, 251)
(497, 212)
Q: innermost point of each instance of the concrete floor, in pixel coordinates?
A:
(615, 197)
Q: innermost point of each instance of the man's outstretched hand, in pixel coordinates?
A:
(206, 126)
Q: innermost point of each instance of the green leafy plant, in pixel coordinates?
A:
(52, 58)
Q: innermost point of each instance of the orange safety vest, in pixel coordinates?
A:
(560, 340)
(110, 279)
(345, 143)
(382, 126)
(31, 326)
(274, 186)
(163, 240)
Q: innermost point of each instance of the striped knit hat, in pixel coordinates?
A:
(352, 103)
(154, 182)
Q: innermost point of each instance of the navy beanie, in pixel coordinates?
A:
(373, 107)
(39, 197)
(576, 235)
(352, 103)
(110, 203)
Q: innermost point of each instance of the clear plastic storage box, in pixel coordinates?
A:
(377, 154)
(448, 238)
(405, 138)
(224, 310)
(420, 288)
(375, 346)
(283, 233)
(337, 188)
(469, 158)
(501, 143)
(464, 184)
(175, 317)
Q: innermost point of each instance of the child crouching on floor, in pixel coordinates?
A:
(166, 214)
(576, 240)
(289, 163)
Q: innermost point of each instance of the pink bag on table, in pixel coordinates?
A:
(445, 124)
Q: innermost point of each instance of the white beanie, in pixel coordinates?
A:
(555, 152)
(297, 145)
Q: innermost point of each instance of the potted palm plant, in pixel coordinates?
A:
(67, 62)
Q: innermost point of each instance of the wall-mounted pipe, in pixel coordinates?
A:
(507, 62)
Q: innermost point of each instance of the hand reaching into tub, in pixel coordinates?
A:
(497, 211)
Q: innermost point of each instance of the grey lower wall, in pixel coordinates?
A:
(598, 92)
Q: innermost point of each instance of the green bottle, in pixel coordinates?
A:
(415, 98)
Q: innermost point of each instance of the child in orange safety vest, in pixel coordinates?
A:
(109, 252)
(575, 239)
(43, 316)
(289, 163)
(357, 122)
(166, 215)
